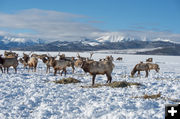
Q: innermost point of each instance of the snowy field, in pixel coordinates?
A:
(33, 95)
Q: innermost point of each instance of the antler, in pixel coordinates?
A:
(59, 53)
(30, 53)
(49, 55)
(78, 55)
(91, 54)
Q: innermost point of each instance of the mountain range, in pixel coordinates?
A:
(106, 42)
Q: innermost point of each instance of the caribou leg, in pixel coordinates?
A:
(138, 73)
(4, 69)
(7, 70)
(109, 78)
(35, 68)
(15, 68)
(93, 79)
(1, 69)
(64, 70)
(49, 69)
(146, 73)
(61, 72)
(55, 71)
(73, 69)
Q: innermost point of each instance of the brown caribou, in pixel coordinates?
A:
(48, 61)
(153, 66)
(6, 63)
(60, 65)
(149, 60)
(119, 58)
(10, 54)
(99, 68)
(145, 67)
(31, 62)
(70, 59)
(140, 67)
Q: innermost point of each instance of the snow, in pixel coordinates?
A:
(165, 40)
(9, 39)
(128, 36)
(113, 37)
(110, 38)
(34, 95)
(90, 43)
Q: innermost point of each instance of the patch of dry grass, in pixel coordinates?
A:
(97, 85)
(67, 81)
(155, 96)
(115, 84)
(166, 79)
(123, 84)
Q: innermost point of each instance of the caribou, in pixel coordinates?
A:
(8, 62)
(80, 59)
(99, 68)
(119, 58)
(48, 61)
(31, 62)
(153, 66)
(144, 67)
(149, 60)
(140, 67)
(1, 64)
(10, 54)
(70, 59)
(60, 65)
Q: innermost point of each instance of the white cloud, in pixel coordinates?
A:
(48, 25)
(53, 25)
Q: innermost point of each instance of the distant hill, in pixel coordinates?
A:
(102, 43)
(172, 50)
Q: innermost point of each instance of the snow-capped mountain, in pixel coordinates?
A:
(114, 38)
(110, 38)
(106, 42)
(122, 37)
(91, 42)
(10, 42)
(10, 39)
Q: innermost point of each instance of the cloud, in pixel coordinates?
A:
(53, 25)
(48, 25)
(95, 21)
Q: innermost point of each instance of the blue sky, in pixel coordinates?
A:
(102, 15)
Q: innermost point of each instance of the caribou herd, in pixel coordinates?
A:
(60, 62)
